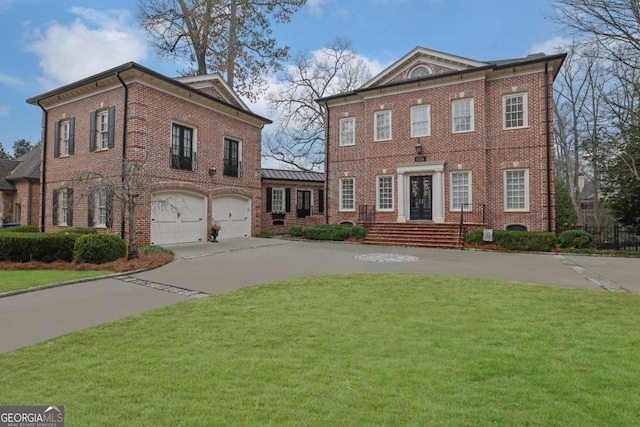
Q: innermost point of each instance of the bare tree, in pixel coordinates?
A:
(299, 138)
(610, 23)
(232, 37)
(124, 190)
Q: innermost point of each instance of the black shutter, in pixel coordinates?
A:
(112, 126)
(269, 199)
(54, 211)
(70, 206)
(287, 199)
(109, 222)
(90, 208)
(56, 140)
(92, 131)
(320, 200)
(72, 131)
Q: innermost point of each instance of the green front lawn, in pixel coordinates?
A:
(355, 350)
(12, 280)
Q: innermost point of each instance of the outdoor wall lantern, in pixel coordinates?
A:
(212, 170)
(418, 147)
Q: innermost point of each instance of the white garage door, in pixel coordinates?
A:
(178, 217)
(233, 214)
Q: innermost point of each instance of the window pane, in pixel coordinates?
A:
(420, 121)
(385, 192)
(515, 189)
(460, 190)
(462, 118)
(347, 131)
(346, 194)
(514, 111)
(277, 200)
(383, 125)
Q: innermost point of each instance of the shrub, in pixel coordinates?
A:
(99, 248)
(577, 239)
(333, 232)
(539, 241)
(296, 231)
(21, 229)
(44, 247)
(265, 235)
(79, 230)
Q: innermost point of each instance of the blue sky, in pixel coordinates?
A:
(48, 43)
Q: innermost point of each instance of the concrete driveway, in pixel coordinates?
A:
(212, 268)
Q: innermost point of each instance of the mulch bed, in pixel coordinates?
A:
(145, 261)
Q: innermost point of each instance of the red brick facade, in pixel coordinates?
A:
(484, 154)
(146, 112)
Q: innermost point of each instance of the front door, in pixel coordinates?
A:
(420, 197)
(303, 205)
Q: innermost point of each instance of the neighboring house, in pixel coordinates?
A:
(292, 198)
(20, 188)
(435, 133)
(195, 145)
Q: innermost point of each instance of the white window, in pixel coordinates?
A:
(382, 125)
(102, 129)
(384, 193)
(514, 108)
(63, 206)
(462, 113)
(516, 190)
(101, 208)
(347, 131)
(420, 71)
(420, 121)
(277, 200)
(64, 138)
(460, 190)
(347, 194)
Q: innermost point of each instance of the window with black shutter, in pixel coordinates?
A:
(320, 200)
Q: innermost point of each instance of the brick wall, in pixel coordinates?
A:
(151, 113)
(290, 218)
(487, 151)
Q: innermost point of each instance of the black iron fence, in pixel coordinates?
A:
(614, 236)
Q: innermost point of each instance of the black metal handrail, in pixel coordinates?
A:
(470, 208)
(366, 215)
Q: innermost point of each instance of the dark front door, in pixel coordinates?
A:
(420, 197)
(303, 205)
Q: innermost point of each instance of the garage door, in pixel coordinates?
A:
(178, 217)
(233, 214)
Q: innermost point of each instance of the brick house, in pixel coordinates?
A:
(435, 133)
(188, 149)
(20, 188)
(291, 198)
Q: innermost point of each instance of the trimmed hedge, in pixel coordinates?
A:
(577, 239)
(21, 229)
(99, 248)
(44, 247)
(296, 231)
(333, 232)
(539, 241)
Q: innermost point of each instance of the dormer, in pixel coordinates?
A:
(214, 85)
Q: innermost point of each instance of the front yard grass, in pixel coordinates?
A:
(349, 350)
(14, 280)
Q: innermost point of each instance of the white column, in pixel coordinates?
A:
(402, 216)
(438, 197)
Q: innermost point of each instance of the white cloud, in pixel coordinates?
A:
(97, 40)
(4, 111)
(315, 6)
(10, 81)
(555, 45)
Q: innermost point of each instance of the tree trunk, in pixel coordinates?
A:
(232, 51)
(132, 252)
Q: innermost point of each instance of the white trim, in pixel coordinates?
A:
(342, 143)
(197, 81)
(375, 126)
(525, 110)
(378, 208)
(414, 107)
(341, 208)
(62, 152)
(471, 112)
(436, 170)
(416, 67)
(100, 132)
(526, 190)
(469, 190)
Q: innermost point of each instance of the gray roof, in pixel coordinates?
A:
(6, 166)
(29, 167)
(286, 175)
